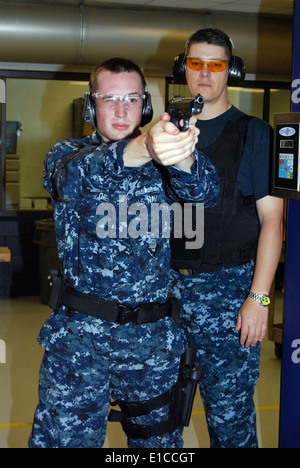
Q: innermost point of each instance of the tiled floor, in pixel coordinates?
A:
(20, 322)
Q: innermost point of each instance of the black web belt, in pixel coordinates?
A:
(118, 313)
(232, 260)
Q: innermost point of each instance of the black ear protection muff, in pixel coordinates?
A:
(89, 113)
(179, 66)
(147, 112)
(237, 70)
(236, 67)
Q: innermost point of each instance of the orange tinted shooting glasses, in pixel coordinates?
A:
(212, 65)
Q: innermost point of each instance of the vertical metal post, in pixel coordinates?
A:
(3, 144)
(289, 436)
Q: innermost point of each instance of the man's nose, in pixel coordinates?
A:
(205, 71)
(120, 109)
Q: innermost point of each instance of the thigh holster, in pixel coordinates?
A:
(179, 398)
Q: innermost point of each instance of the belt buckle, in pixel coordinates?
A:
(186, 271)
(126, 314)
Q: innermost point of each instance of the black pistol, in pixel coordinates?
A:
(182, 108)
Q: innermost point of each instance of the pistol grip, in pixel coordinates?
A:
(176, 121)
(186, 121)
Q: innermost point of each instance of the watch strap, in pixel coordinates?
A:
(263, 299)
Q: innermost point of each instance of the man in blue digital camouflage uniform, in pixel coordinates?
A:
(223, 287)
(113, 331)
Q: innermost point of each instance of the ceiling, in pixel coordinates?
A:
(80, 33)
(278, 7)
(269, 7)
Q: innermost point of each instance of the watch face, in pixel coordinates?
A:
(266, 301)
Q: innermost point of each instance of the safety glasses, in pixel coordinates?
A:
(213, 65)
(130, 101)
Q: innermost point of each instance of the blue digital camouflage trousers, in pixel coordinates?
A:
(210, 303)
(87, 361)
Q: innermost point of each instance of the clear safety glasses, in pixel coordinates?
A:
(213, 65)
(130, 101)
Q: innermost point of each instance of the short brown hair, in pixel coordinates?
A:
(213, 37)
(115, 65)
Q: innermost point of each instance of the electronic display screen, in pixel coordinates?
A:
(286, 143)
(286, 164)
(285, 172)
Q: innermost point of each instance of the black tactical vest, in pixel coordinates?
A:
(231, 229)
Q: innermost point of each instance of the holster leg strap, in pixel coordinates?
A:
(139, 408)
(140, 431)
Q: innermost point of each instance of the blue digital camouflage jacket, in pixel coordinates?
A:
(89, 185)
